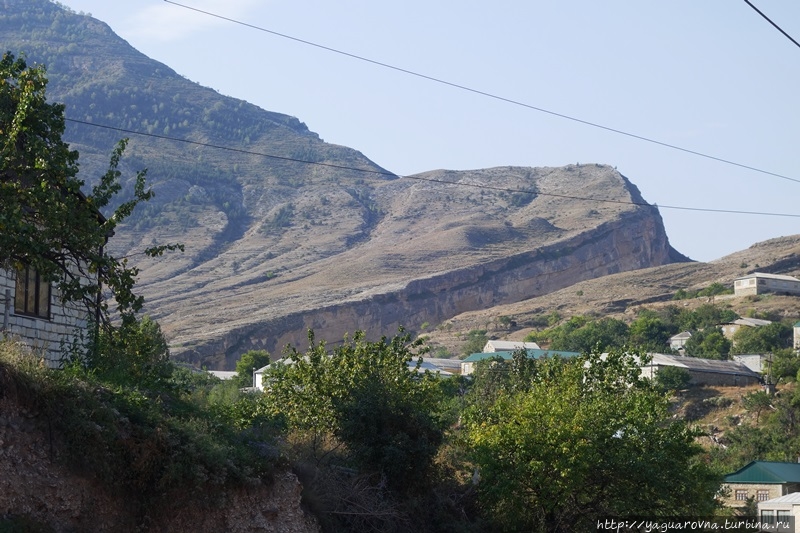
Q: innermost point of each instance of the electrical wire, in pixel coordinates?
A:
(490, 95)
(431, 180)
(770, 21)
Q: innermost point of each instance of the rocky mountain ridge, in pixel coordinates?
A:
(285, 232)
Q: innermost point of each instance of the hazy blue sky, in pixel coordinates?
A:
(707, 75)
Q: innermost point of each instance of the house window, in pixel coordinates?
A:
(762, 495)
(741, 495)
(32, 296)
(768, 517)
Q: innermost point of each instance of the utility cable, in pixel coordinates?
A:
(490, 95)
(420, 178)
(770, 21)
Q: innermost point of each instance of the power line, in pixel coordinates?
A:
(430, 180)
(770, 21)
(489, 95)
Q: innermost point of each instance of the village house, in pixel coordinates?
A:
(469, 365)
(678, 341)
(760, 283)
(703, 371)
(508, 346)
(34, 314)
(782, 513)
(731, 328)
(762, 481)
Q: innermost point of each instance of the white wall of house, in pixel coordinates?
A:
(46, 336)
(759, 283)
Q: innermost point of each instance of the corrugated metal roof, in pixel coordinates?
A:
(506, 356)
(681, 336)
(766, 472)
(696, 364)
(754, 322)
(769, 276)
(508, 346)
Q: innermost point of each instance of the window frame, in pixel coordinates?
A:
(32, 294)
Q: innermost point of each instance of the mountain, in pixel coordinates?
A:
(285, 232)
(624, 294)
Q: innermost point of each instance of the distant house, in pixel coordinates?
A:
(732, 327)
(224, 375)
(468, 365)
(797, 336)
(760, 283)
(762, 481)
(782, 512)
(756, 362)
(678, 342)
(703, 371)
(508, 346)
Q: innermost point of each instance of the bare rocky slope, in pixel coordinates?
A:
(442, 243)
(284, 232)
(621, 295)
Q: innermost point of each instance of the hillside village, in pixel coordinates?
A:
(327, 355)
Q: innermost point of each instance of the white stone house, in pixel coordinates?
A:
(678, 341)
(34, 314)
(732, 327)
(508, 346)
(760, 283)
(782, 513)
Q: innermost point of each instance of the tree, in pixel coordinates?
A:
(763, 339)
(249, 361)
(365, 395)
(672, 378)
(47, 223)
(649, 332)
(709, 343)
(476, 340)
(590, 439)
(756, 402)
(136, 352)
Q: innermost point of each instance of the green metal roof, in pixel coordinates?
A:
(506, 356)
(766, 472)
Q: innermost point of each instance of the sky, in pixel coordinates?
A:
(708, 76)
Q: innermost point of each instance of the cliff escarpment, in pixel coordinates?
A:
(633, 240)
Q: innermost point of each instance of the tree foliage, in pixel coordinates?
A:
(709, 343)
(589, 439)
(672, 378)
(250, 361)
(364, 394)
(46, 221)
(762, 339)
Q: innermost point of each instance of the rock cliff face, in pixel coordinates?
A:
(549, 258)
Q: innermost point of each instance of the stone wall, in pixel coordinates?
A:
(50, 337)
(774, 490)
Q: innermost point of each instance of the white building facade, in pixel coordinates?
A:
(33, 314)
(760, 283)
